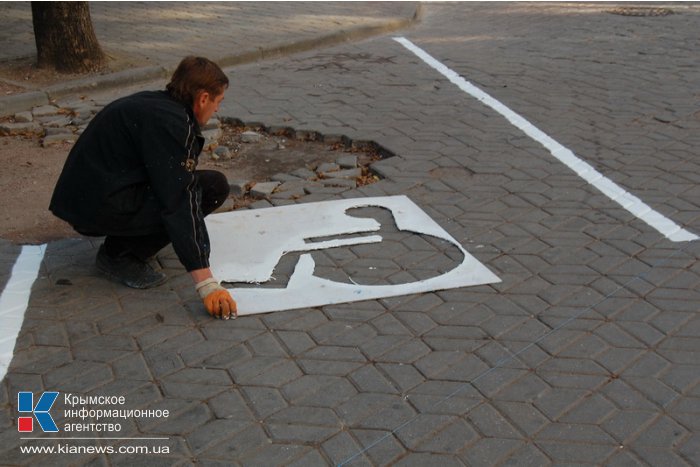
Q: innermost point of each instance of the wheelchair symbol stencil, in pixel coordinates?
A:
(247, 245)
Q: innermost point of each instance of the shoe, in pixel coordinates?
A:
(128, 270)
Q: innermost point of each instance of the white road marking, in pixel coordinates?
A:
(15, 298)
(628, 201)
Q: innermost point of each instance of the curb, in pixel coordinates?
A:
(124, 77)
(18, 102)
(328, 40)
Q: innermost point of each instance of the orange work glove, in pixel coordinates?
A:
(217, 300)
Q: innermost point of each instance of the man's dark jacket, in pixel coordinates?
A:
(131, 173)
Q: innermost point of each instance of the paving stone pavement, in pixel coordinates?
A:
(585, 353)
(146, 40)
(161, 33)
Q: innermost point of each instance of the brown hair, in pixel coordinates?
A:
(196, 74)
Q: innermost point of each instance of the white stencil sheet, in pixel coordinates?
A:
(247, 245)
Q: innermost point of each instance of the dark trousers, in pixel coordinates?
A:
(214, 188)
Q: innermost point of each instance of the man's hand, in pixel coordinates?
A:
(217, 300)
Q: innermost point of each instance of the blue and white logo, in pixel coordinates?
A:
(25, 403)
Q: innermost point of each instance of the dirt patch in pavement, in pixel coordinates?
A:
(280, 152)
(29, 173)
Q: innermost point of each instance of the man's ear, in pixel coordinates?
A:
(202, 98)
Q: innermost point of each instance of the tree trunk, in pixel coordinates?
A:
(65, 38)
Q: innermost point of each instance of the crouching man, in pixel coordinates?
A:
(131, 177)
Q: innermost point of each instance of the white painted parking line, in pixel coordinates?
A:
(15, 298)
(628, 201)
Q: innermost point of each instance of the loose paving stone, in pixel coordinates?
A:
(264, 189)
(55, 121)
(283, 177)
(223, 152)
(323, 189)
(251, 137)
(212, 124)
(57, 131)
(348, 161)
(347, 173)
(59, 139)
(211, 136)
(263, 203)
(20, 128)
(327, 167)
(338, 182)
(84, 112)
(45, 110)
(290, 190)
(304, 173)
(24, 117)
(238, 187)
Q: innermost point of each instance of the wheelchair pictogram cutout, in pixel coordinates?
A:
(247, 245)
